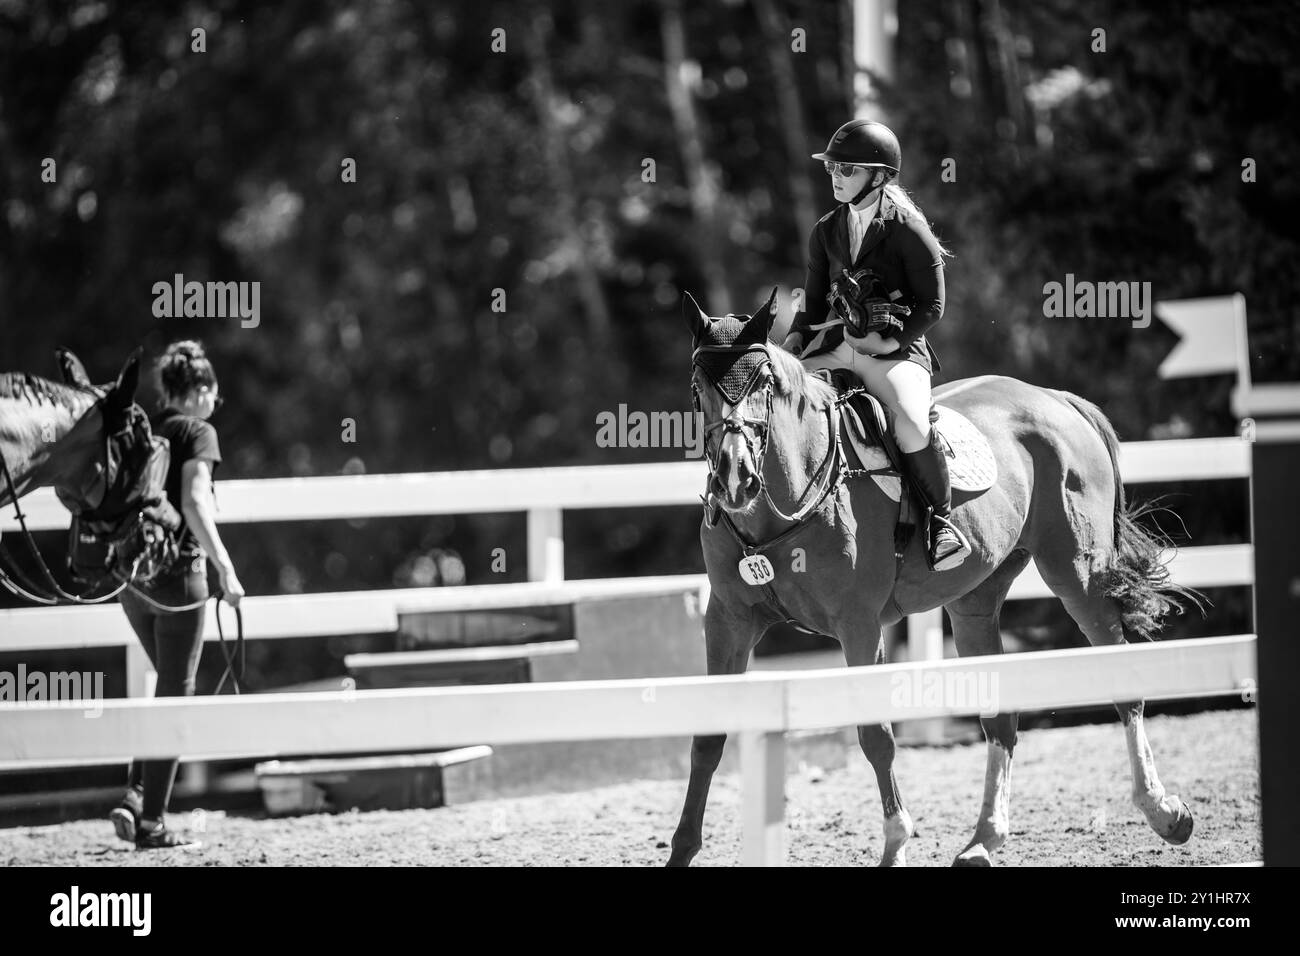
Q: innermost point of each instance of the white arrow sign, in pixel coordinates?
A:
(1213, 337)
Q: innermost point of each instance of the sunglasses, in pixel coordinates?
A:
(847, 170)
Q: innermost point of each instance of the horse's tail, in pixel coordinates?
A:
(1137, 574)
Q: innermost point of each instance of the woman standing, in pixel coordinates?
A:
(878, 237)
(174, 639)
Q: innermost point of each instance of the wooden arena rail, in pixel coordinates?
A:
(760, 708)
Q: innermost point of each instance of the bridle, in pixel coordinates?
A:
(734, 423)
(52, 594)
(827, 476)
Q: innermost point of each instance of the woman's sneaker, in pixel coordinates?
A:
(156, 836)
(125, 817)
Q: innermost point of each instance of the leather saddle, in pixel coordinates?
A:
(866, 428)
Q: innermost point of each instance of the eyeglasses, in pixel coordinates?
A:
(847, 170)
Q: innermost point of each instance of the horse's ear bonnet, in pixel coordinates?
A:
(731, 352)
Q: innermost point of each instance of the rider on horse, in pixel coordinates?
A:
(874, 287)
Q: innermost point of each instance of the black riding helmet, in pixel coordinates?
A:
(864, 143)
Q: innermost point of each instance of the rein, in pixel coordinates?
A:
(828, 474)
(240, 651)
(831, 467)
(56, 596)
(23, 586)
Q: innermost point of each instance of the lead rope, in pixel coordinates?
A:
(240, 650)
(25, 587)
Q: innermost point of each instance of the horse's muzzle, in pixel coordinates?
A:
(747, 483)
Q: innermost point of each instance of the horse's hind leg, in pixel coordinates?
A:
(1167, 813)
(1077, 583)
(877, 743)
(976, 632)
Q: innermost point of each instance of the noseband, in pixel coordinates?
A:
(828, 473)
(737, 423)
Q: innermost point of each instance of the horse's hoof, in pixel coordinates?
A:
(1180, 831)
(681, 857)
(973, 856)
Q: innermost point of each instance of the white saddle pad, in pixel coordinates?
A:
(971, 464)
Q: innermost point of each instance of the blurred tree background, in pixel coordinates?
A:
(522, 170)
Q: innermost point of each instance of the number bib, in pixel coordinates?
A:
(756, 570)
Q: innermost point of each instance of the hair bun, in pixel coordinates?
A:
(183, 366)
(188, 350)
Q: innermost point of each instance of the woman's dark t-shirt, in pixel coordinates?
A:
(190, 438)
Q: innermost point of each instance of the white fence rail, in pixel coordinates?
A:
(377, 612)
(761, 708)
(545, 493)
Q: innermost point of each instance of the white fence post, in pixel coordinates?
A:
(762, 771)
(925, 643)
(545, 544)
(140, 675)
(925, 636)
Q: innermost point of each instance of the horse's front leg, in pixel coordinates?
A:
(729, 636)
(877, 743)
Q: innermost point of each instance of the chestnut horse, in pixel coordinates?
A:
(1058, 499)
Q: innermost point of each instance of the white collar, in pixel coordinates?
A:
(870, 210)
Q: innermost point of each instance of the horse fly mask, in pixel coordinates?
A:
(732, 353)
(732, 357)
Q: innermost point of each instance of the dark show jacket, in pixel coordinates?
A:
(898, 248)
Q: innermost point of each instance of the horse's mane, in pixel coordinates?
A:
(793, 381)
(23, 386)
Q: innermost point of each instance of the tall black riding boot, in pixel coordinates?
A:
(929, 473)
